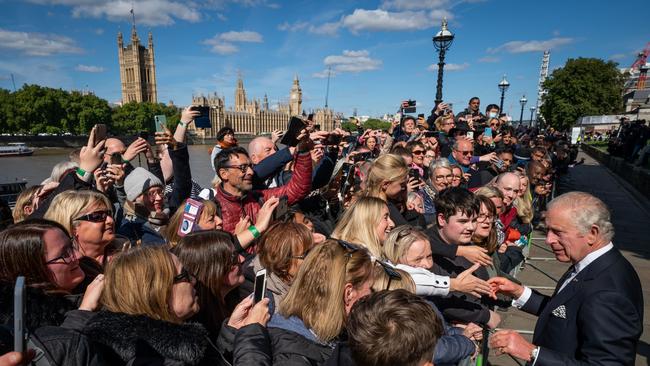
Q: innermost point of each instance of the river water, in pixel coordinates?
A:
(36, 168)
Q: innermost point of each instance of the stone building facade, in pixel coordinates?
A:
(137, 69)
(254, 117)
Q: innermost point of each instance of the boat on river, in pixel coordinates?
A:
(15, 149)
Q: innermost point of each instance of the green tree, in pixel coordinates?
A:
(134, 117)
(583, 87)
(376, 124)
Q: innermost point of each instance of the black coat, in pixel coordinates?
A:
(136, 339)
(41, 309)
(596, 319)
(290, 348)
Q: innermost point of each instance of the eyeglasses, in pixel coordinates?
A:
(184, 276)
(97, 216)
(154, 193)
(68, 256)
(417, 152)
(483, 218)
(429, 156)
(441, 178)
(234, 259)
(242, 167)
(468, 152)
(302, 256)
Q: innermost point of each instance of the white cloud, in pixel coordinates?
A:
(224, 43)
(414, 4)
(88, 68)
(382, 20)
(37, 44)
(323, 74)
(244, 36)
(449, 67)
(531, 46)
(147, 12)
(99, 31)
(352, 61)
(325, 29)
(617, 56)
(489, 59)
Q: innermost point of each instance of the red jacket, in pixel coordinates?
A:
(234, 208)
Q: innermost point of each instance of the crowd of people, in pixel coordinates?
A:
(381, 247)
(630, 141)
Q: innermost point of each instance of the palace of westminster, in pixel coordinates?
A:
(249, 116)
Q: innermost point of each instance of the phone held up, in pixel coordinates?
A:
(203, 120)
(281, 209)
(19, 315)
(191, 215)
(100, 133)
(260, 285)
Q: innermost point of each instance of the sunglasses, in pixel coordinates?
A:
(470, 152)
(389, 270)
(97, 216)
(184, 276)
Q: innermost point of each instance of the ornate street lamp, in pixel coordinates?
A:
(532, 112)
(523, 102)
(442, 41)
(503, 87)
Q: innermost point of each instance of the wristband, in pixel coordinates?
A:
(84, 175)
(183, 124)
(254, 231)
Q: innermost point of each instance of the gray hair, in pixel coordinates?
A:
(61, 168)
(411, 196)
(586, 210)
(439, 163)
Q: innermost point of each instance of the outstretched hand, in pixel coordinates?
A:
(469, 284)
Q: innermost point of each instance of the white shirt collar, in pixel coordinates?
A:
(592, 257)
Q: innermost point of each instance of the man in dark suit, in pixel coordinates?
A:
(595, 315)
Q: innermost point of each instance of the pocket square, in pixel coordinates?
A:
(560, 312)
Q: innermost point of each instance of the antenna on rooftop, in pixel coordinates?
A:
(327, 94)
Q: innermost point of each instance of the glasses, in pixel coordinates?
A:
(242, 167)
(157, 192)
(429, 156)
(417, 152)
(441, 178)
(68, 256)
(483, 218)
(389, 270)
(184, 276)
(234, 259)
(302, 256)
(97, 216)
(468, 152)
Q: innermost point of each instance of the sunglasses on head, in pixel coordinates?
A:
(97, 216)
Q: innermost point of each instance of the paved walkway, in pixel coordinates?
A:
(631, 218)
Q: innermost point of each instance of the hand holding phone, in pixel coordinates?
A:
(260, 285)
(191, 215)
(281, 210)
(100, 133)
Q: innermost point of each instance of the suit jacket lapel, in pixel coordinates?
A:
(570, 290)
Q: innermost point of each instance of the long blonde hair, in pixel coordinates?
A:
(385, 169)
(139, 282)
(316, 296)
(68, 205)
(524, 204)
(359, 222)
(400, 240)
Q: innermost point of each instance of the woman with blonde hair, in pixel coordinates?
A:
(410, 246)
(147, 298)
(26, 203)
(88, 218)
(309, 320)
(524, 202)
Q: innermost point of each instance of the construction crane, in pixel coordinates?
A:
(638, 71)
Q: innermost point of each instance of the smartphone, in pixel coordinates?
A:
(499, 163)
(159, 120)
(470, 134)
(431, 133)
(100, 133)
(310, 117)
(281, 209)
(488, 132)
(191, 214)
(333, 139)
(203, 120)
(116, 158)
(260, 285)
(414, 173)
(19, 315)
(294, 127)
(362, 157)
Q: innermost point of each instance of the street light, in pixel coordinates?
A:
(442, 41)
(503, 86)
(522, 101)
(532, 112)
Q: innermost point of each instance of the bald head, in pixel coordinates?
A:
(509, 185)
(260, 148)
(113, 145)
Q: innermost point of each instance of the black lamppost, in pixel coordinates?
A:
(532, 112)
(442, 41)
(503, 87)
(522, 101)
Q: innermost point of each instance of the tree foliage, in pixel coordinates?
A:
(34, 109)
(372, 123)
(583, 87)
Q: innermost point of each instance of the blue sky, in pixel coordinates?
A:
(380, 51)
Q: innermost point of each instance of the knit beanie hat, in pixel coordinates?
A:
(138, 182)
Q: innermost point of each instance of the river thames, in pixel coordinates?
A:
(36, 168)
